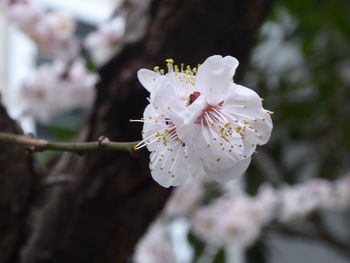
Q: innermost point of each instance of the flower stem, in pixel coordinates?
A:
(37, 145)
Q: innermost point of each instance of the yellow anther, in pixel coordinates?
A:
(156, 68)
(271, 112)
(162, 71)
(169, 60)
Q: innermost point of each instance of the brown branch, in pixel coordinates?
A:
(37, 145)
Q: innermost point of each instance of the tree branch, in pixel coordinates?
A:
(38, 145)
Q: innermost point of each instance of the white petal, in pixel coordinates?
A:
(231, 63)
(240, 95)
(225, 175)
(214, 77)
(263, 125)
(163, 95)
(215, 152)
(183, 83)
(147, 78)
(187, 129)
(170, 168)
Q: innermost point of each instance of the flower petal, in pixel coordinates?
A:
(214, 77)
(240, 95)
(148, 78)
(225, 175)
(163, 96)
(170, 167)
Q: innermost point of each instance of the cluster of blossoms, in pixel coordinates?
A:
(53, 33)
(54, 89)
(199, 120)
(106, 40)
(241, 218)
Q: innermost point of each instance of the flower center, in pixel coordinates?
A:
(211, 114)
(193, 97)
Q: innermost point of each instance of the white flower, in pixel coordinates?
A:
(201, 119)
(296, 203)
(341, 194)
(53, 33)
(54, 89)
(229, 219)
(106, 41)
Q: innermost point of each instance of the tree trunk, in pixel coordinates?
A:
(100, 215)
(18, 185)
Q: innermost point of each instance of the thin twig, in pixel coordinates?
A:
(37, 145)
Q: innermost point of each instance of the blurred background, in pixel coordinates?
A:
(300, 66)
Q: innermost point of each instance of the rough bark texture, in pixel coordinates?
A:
(100, 216)
(17, 187)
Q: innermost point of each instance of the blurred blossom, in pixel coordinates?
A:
(53, 33)
(322, 192)
(155, 246)
(296, 203)
(53, 89)
(266, 203)
(341, 198)
(106, 41)
(185, 198)
(228, 219)
(240, 218)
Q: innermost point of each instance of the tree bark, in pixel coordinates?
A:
(100, 216)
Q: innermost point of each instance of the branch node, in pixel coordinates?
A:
(102, 141)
